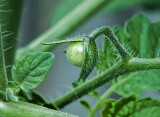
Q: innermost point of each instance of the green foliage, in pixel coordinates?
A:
(142, 38)
(12, 92)
(141, 35)
(32, 69)
(11, 95)
(132, 107)
(108, 107)
(85, 104)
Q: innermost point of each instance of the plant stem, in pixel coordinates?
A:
(135, 64)
(3, 74)
(106, 95)
(10, 20)
(65, 26)
(24, 109)
(107, 31)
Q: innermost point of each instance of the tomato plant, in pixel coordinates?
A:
(128, 61)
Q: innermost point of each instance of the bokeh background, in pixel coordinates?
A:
(39, 15)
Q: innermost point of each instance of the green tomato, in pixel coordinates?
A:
(76, 53)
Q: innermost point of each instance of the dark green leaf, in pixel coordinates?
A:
(108, 107)
(130, 107)
(85, 104)
(31, 70)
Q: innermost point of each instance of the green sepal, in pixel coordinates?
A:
(74, 39)
(90, 61)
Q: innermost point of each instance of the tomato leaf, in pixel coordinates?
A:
(31, 70)
(108, 107)
(85, 104)
(148, 46)
(131, 107)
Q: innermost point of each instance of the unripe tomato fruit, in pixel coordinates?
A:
(76, 53)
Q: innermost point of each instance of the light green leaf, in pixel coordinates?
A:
(138, 83)
(130, 107)
(31, 70)
(11, 95)
(12, 92)
(136, 30)
(85, 104)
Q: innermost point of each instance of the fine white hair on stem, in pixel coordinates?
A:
(8, 34)
(7, 49)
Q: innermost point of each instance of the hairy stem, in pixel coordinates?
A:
(23, 109)
(107, 31)
(135, 64)
(106, 95)
(3, 74)
(65, 26)
(10, 19)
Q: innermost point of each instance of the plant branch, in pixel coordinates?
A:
(135, 64)
(64, 26)
(24, 109)
(10, 19)
(107, 31)
(3, 73)
(102, 99)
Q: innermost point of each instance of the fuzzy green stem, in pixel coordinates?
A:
(23, 109)
(107, 31)
(3, 73)
(106, 95)
(65, 26)
(10, 19)
(135, 64)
